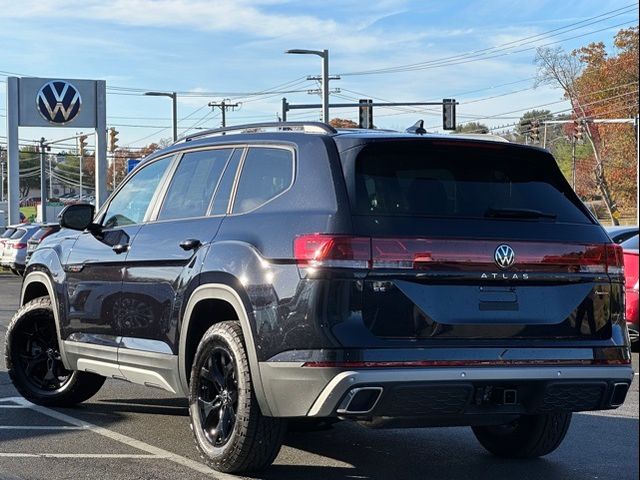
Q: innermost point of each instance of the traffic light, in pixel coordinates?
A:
(448, 114)
(113, 139)
(534, 132)
(82, 144)
(578, 129)
(365, 114)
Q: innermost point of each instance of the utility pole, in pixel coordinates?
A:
(43, 182)
(1, 176)
(223, 106)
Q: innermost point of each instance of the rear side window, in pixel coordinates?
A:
(421, 179)
(266, 173)
(193, 184)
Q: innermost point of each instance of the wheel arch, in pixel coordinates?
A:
(38, 284)
(225, 297)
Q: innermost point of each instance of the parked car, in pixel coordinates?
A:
(630, 247)
(6, 234)
(43, 232)
(621, 233)
(15, 248)
(293, 271)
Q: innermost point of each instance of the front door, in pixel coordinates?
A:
(95, 265)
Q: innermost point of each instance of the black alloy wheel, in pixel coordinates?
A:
(36, 346)
(34, 362)
(218, 396)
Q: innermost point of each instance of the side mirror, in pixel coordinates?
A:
(77, 217)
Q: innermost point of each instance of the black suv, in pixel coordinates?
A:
(287, 271)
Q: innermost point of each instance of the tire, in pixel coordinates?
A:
(229, 429)
(528, 437)
(33, 360)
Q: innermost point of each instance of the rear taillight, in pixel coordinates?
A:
(317, 250)
(615, 259)
(19, 246)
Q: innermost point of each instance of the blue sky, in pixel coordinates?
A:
(211, 50)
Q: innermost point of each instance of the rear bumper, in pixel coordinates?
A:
(451, 395)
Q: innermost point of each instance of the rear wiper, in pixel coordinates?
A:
(517, 213)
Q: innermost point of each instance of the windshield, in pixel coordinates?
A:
(443, 179)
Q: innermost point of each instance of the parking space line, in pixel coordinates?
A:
(76, 455)
(131, 442)
(39, 427)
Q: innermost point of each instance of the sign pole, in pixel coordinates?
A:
(101, 192)
(43, 183)
(13, 164)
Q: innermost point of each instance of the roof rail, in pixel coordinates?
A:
(312, 127)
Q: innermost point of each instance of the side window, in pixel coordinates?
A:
(131, 202)
(193, 184)
(223, 193)
(266, 173)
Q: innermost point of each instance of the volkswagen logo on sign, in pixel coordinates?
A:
(504, 256)
(58, 102)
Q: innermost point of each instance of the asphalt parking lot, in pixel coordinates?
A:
(131, 432)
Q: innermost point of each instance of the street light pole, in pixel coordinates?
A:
(324, 54)
(174, 109)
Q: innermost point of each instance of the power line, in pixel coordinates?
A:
(486, 53)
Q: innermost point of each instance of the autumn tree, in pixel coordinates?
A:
(342, 123)
(601, 86)
(117, 169)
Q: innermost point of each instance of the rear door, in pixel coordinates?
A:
(477, 240)
(162, 261)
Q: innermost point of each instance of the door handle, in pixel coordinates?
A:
(190, 244)
(120, 248)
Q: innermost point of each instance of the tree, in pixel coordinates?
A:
(472, 127)
(342, 123)
(600, 86)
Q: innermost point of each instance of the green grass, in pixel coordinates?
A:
(29, 212)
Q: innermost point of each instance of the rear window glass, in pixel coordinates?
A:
(632, 243)
(410, 179)
(8, 232)
(19, 233)
(40, 233)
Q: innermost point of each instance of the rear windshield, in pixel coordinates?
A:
(40, 233)
(19, 233)
(7, 233)
(631, 244)
(442, 179)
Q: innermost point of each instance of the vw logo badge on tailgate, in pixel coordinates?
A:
(504, 256)
(58, 102)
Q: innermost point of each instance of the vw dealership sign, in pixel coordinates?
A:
(58, 102)
(55, 102)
